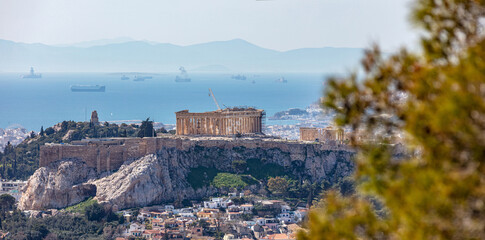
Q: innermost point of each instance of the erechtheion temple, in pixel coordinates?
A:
(221, 122)
(321, 134)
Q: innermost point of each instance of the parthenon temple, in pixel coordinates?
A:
(221, 122)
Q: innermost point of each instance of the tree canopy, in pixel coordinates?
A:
(94, 212)
(434, 101)
(7, 202)
(278, 185)
(146, 129)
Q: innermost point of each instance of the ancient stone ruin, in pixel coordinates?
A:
(327, 134)
(221, 122)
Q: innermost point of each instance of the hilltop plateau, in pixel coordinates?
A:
(182, 168)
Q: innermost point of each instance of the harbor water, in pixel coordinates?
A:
(45, 101)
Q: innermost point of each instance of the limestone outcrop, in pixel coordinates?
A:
(139, 183)
(162, 177)
(58, 185)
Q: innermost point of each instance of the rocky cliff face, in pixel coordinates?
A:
(58, 185)
(139, 183)
(162, 177)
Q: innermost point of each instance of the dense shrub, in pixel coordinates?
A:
(228, 180)
(62, 226)
(94, 212)
(201, 176)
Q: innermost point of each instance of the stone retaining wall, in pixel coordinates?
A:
(109, 154)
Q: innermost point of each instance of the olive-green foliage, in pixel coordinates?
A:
(262, 170)
(248, 179)
(146, 129)
(437, 99)
(63, 226)
(250, 172)
(21, 161)
(278, 185)
(201, 176)
(10, 165)
(7, 202)
(94, 212)
(228, 180)
(80, 207)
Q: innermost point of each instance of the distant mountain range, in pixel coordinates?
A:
(124, 55)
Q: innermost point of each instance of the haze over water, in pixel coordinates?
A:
(33, 103)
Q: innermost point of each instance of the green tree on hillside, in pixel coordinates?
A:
(94, 212)
(7, 203)
(436, 101)
(123, 134)
(49, 131)
(146, 129)
(278, 185)
(228, 180)
(9, 167)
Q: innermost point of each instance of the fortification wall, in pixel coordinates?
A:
(103, 157)
(109, 157)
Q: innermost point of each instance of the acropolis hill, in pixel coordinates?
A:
(134, 172)
(209, 129)
(131, 172)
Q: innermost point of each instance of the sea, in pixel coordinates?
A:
(35, 102)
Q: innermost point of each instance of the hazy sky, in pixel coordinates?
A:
(277, 24)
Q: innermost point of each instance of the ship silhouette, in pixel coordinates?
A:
(32, 74)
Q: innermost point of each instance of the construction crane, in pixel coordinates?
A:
(214, 97)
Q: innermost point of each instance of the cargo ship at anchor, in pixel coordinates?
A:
(141, 78)
(183, 77)
(88, 88)
(32, 74)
